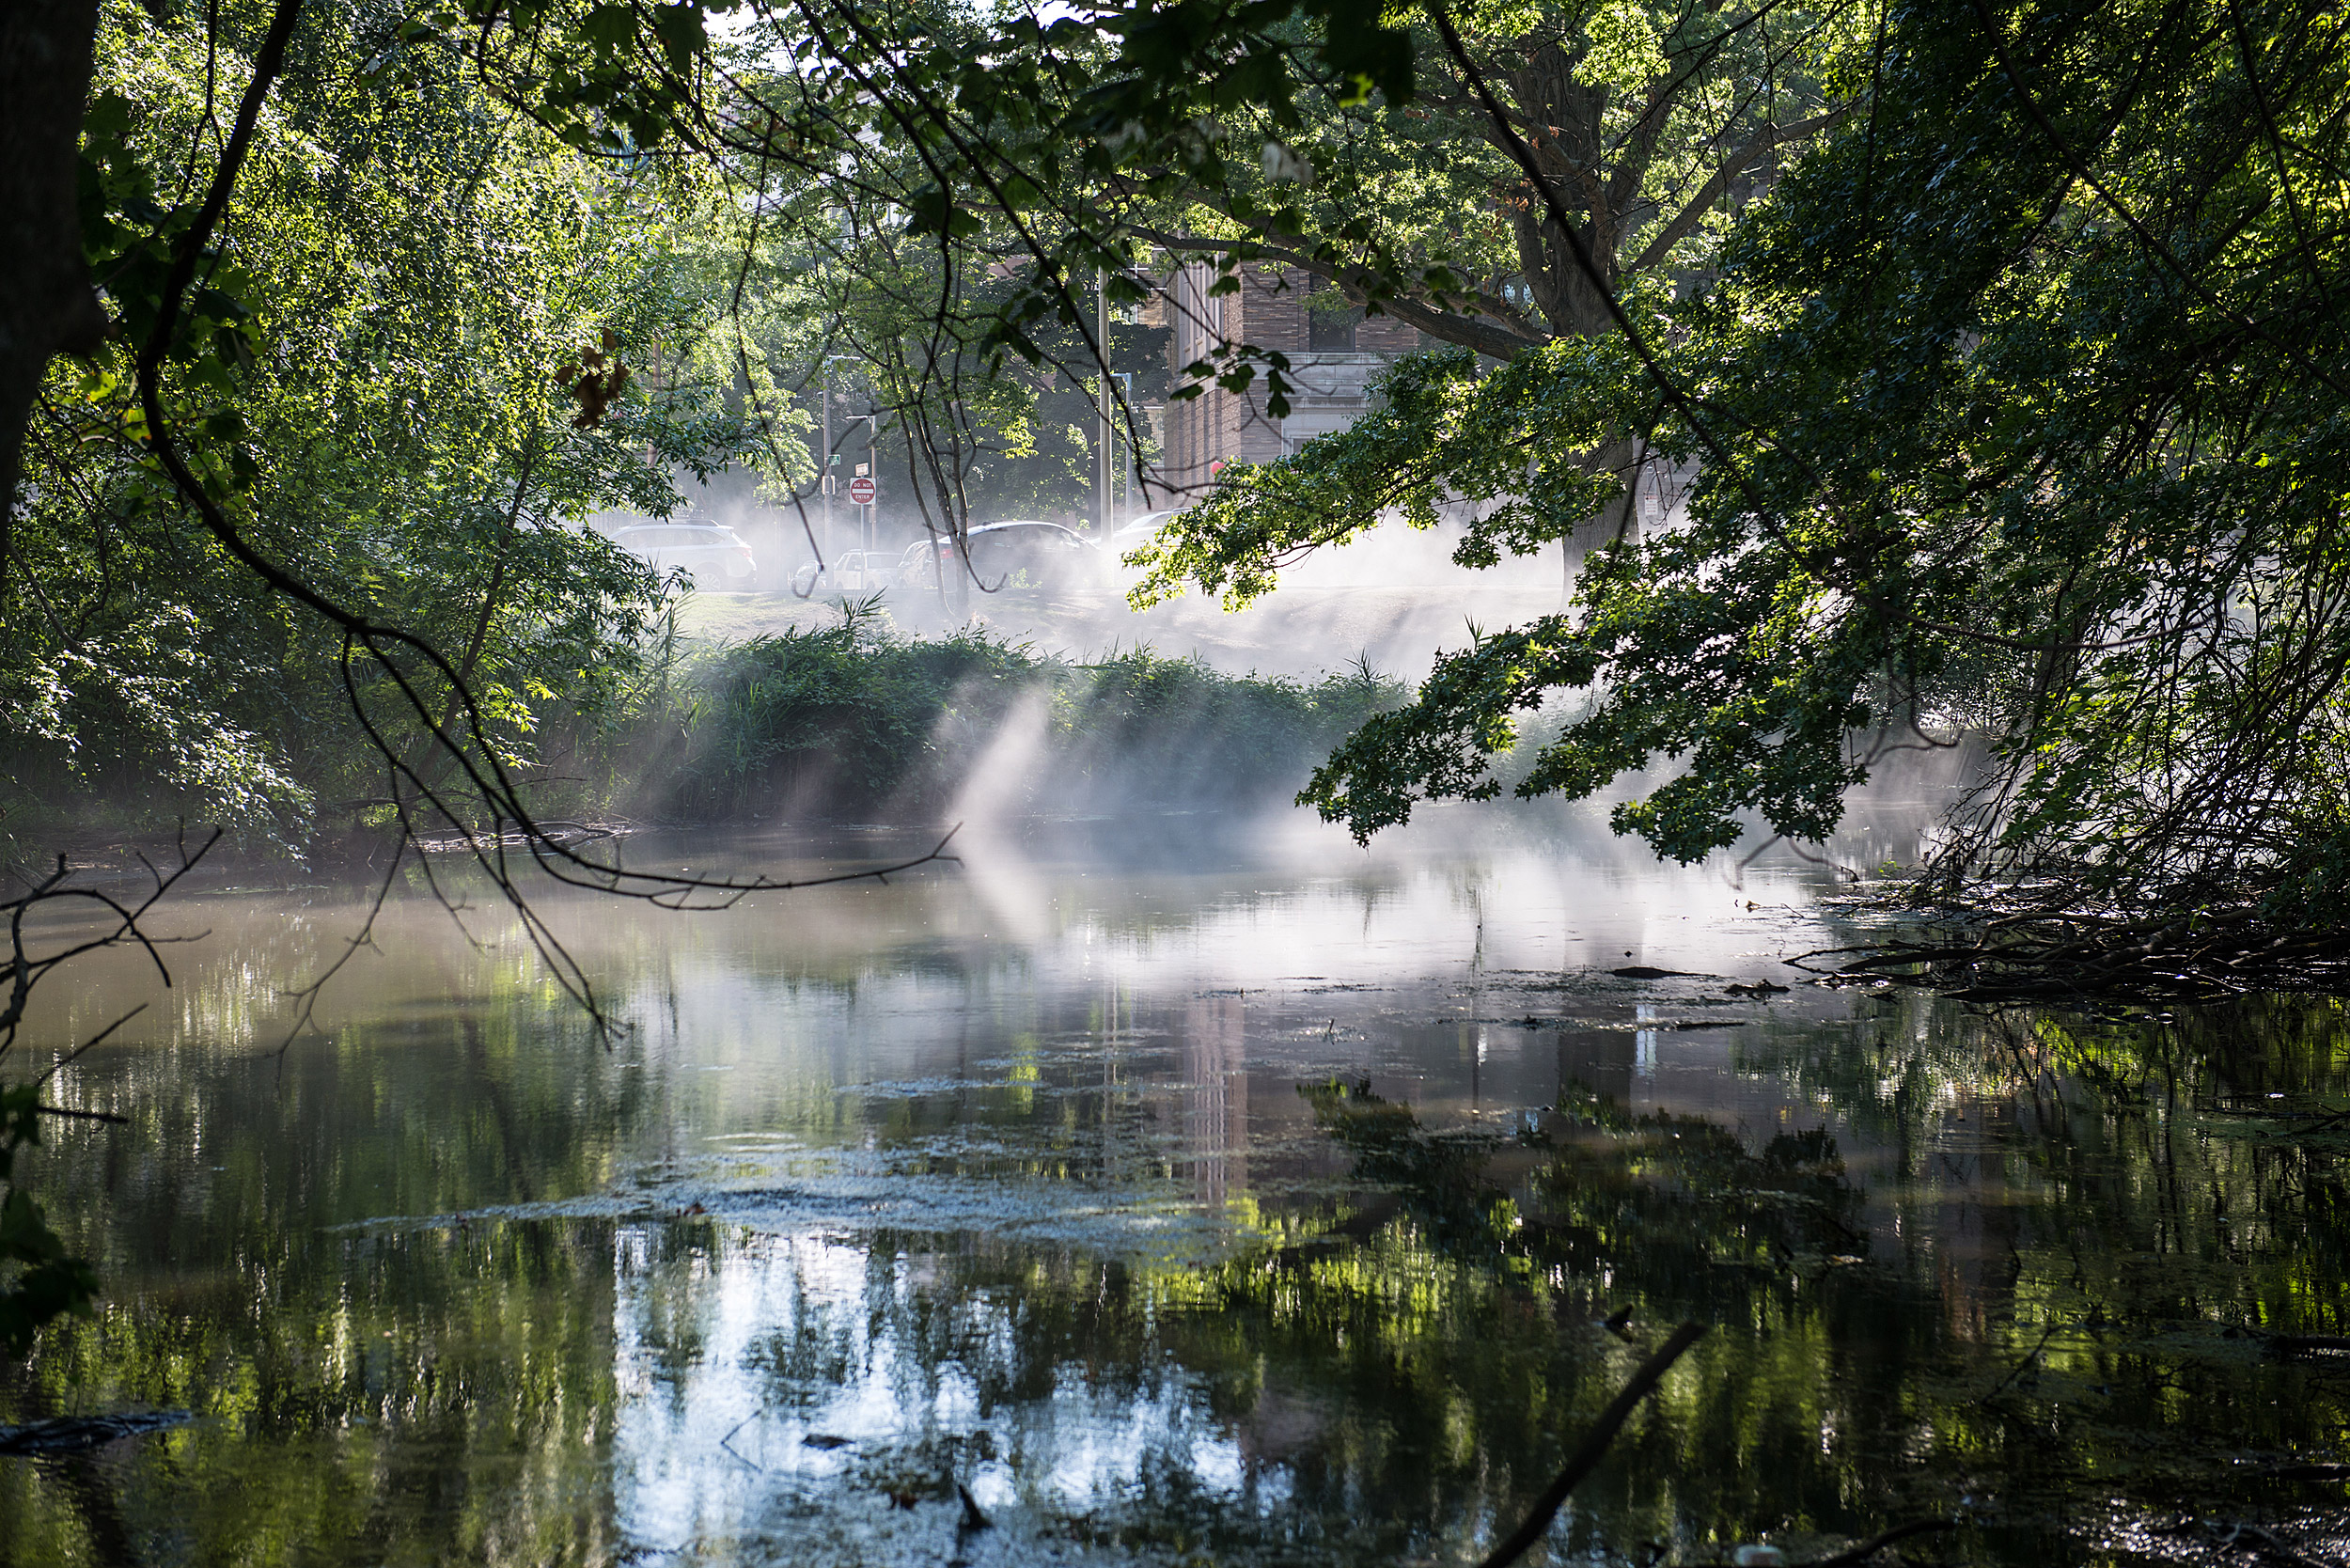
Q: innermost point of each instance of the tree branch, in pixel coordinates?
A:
(1711, 192)
(1496, 341)
(2145, 236)
(1593, 1449)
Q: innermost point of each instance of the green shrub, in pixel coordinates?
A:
(853, 720)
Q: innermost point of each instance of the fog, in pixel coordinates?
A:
(1393, 599)
(1393, 596)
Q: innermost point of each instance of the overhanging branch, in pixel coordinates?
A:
(1492, 339)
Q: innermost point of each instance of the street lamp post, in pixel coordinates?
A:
(1126, 496)
(873, 508)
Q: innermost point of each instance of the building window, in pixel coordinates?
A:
(1198, 316)
(1330, 321)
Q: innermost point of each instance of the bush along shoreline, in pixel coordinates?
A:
(854, 721)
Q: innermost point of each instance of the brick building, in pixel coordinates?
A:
(1334, 355)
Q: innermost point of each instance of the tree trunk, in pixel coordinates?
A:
(1565, 132)
(47, 303)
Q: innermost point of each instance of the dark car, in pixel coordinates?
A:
(1016, 554)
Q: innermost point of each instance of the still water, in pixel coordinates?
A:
(1187, 1197)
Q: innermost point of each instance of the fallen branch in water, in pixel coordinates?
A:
(1594, 1447)
(81, 1434)
(2039, 955)
(2260, 1545)
(1876, 1543)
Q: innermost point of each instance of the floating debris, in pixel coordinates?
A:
(81, 1434)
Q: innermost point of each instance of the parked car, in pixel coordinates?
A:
(712, 554)
(850, 572)
(1129, 535)
(1014, 553)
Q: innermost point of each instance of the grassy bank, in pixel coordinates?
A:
(854, 721)
(849, 720)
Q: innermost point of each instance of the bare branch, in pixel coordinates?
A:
(1593, 1448)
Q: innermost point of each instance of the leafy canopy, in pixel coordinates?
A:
(2030, 384)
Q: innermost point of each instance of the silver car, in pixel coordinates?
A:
(850, 572)
(712, 554)
(1140, 531)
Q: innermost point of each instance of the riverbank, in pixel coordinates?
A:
(844, 719)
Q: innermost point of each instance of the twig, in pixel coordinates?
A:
(25, 971)
(728, 1441)
(1594, 1447)
(84, 1115)
(90, 1045)
(308, 994)
(2050, 1333)
(1876, 1543)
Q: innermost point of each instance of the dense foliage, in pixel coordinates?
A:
(2019, 411)
(451, 231)
(966, 178)
(403, 272)
(2012, 400)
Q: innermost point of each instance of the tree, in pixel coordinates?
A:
(2019, 402)
(400, 275)
(2101, 236)
(1044, 154)
(47, 303)
(1653, 124)
(833, 288)
(340, 387)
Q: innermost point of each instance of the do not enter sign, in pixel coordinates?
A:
(861, 491)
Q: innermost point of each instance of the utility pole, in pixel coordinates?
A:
(828, 460)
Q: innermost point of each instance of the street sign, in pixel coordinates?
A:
(861, 491)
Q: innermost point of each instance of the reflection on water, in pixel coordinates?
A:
(1225, 1202)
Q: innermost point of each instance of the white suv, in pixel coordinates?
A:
(713, 555)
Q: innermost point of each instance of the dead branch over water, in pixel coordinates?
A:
(2039, 955)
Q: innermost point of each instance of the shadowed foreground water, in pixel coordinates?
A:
(1233, 1200)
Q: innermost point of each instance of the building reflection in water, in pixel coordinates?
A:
(1214, 1093)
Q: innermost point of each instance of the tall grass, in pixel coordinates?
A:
(852, 720)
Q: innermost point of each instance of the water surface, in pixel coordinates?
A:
(1186, 1195)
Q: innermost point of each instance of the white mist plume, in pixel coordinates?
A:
(988, 805)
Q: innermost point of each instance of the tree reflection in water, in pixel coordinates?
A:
(2057, 1273)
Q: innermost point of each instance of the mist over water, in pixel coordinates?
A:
(1393, 596)
(1180, 1187)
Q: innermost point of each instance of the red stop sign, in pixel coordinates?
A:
(861, 491)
